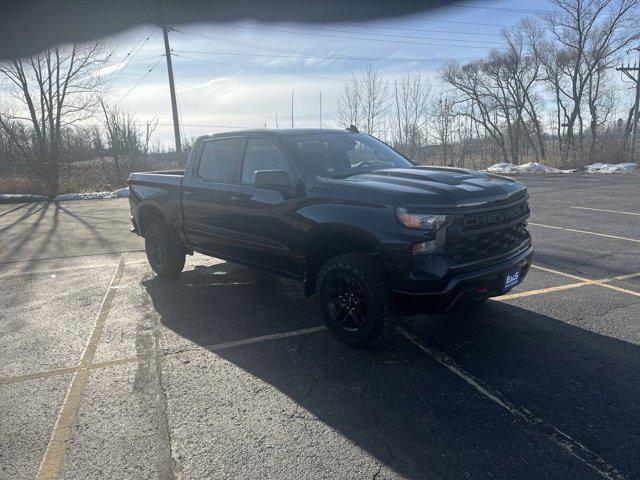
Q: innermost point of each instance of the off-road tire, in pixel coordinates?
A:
(368, 275)
(165, 257)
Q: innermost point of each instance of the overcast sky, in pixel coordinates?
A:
(241, 75)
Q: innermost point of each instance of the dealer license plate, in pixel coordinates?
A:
(511, 279)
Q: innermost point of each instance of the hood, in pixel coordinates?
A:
(441, 186)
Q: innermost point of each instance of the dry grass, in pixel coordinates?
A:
(94, 175)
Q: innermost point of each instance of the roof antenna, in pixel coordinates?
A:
(353, 129)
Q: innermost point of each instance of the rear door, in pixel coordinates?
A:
(205, 194)
(264, 220)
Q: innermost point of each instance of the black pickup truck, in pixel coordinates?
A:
(360, 225)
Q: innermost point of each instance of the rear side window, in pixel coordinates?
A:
(261, 155)
(218, 159)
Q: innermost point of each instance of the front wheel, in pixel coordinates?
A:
(165, 258)
(354, 299)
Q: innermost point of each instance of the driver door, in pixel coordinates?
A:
(263, 220)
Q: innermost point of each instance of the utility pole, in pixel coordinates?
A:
(172, 88)
(277, 126)
(634, 119)
(292, 109)
(320, 108)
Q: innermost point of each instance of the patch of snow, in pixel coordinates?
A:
(21, 198)
(532, 167)
(121, 193)
(610, 167)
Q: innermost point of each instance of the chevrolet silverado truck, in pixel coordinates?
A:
(364, 228)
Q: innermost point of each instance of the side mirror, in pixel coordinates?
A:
(271, 178)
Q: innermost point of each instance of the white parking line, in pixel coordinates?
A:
(586, 232)
(605, 210)
(564, 441)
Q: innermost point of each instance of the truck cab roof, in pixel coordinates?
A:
(283, 132)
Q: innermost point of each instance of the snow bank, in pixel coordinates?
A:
(610, 167)
(123, 192)
(532, 167)
(27, 197)
(21, 198)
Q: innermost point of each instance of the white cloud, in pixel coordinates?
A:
(109, 69)
(203, 85)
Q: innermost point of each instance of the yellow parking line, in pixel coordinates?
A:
(124, 361)
(603, 282)
(64, 370)
(57, 448)
(619, 289)
(541, 291)
(37, 375)
(558, 272)
(624, 277)
(627, 239)
(605, 210)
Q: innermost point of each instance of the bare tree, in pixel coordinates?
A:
(127, 143)
(52, 91)
(375, 100)
(365, 101)
(350, 104)
(587, 36)
(474, 87)
(411, 108)
(601, 93)
(442, 123)
(498, 93)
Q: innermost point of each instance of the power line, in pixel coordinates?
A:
(244, 44)
(129, 53)
(280, 72)
(322, 56)
(325, 29)
(502, 9)
(427, 30)
(456, 22)
(138, 82)
(351, 37)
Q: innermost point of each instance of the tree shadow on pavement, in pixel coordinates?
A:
(403, 408)
(46, 231)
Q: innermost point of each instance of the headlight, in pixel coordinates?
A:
(421, 221)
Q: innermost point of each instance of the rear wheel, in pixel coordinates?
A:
(354, 299)
(165, 258)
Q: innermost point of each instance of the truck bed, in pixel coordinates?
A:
(164, 177)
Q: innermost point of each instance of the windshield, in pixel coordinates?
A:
(342, 155)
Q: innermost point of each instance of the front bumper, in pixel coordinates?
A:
(463, 287)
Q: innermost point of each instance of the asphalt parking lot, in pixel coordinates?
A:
(110, 372)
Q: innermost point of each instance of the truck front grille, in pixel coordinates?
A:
(491, 218)
(475, 247)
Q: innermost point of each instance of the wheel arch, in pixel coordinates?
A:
(147, 214)
(330, 241)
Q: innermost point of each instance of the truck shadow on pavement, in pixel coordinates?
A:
(409, 413)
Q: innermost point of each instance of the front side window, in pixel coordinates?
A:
(218, 159)
(341, 155)
(261, 154)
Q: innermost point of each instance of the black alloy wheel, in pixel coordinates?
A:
(165, 258)
(354, 299)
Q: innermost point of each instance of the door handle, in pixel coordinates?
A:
(188, 193)
(237, 199)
